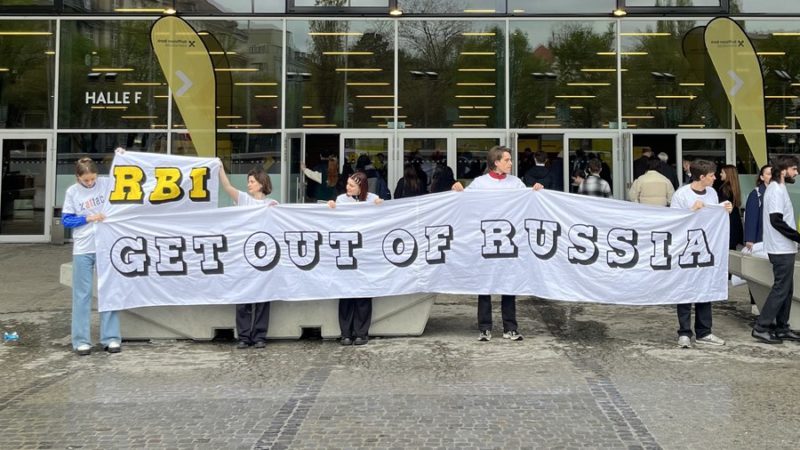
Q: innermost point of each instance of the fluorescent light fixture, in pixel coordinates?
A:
(480, 11)
(780, 96)
(550, 107)
(138, 83)
(4, 69)
(623, 53)
(793, 117)
(381, 107)
(692, 84)
(518, 11)
(771, 53)
(484, 107)
(357, 69)
(335, 33)
(388, 117)
(477, 70)
(483, 125)
(619, 12)
(476, 84)
(26, 33)
(691, 125)
(112, 69)
(266, 96)
(645, 33)
(313, 117)
(545, 117)
(478, 33)
(143, 10)
(319, 125)
(602, 70)
(222, 53)
(576, 96)
(229, 117)
(785, 33)
(478, 53)
(49, 52)
(161, 96)
(686, 97)
(576, 107)
(396, 12)
(347, 53)
(651, 107)
(637, 117)
(375, 96)
(588, 84)
(778, 126)
(256, 83)
(367, 83)
(473, 117)
(139, 117)
(109, 107)
(244, 125)
(544, 125)
(306, 107)
(475, 96)
(236, 69)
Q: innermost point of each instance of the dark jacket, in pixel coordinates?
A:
(539, 174)
(753, 218)
(640, 166)
(737, 230)
(402, 191)
(669, 173)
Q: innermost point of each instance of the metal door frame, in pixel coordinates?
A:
(50, 179)
(616, 170)
(286, 169)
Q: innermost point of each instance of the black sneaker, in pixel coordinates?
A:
(260, 344)
(361, 341)
(241, 345)
(346, 341)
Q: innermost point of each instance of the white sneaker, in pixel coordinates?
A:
(513, 335)
(113, 347)
(84, 350)
(710, 340)
(684, 342)
(485, 336)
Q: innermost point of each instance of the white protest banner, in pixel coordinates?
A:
(548, 244)
(156, 183)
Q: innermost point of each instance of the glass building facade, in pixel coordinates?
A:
(441, 83)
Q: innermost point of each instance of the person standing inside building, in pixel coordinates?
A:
(754, 219)
(539, 172)
(593, 184)
(410, 185)
(326, 179)
(695, 196)
(652, 188)
(667, 170)
(497, 176)
(780, 243)
(252, 319)
(82, 205)
(640, 165)
(355, 314)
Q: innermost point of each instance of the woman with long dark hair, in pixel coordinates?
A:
(355, 314)
(730, 191)
(442, 178)
(410, 185)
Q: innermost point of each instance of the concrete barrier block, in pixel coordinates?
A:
(758, 273)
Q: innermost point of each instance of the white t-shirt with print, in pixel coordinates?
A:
(488, 182)
(83, 201)
(776, 200)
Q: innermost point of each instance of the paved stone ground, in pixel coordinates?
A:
(593, 376)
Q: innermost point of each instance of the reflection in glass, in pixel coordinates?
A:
(424, 154)
(239, 153)
(708, 149)
(27, 62)
(445, 7)
(663, 89)
(471, 157)
(561, 6)
(368, 155)
(339, 74)
(24, 174)
(119, 6)
(583, 150)
(109, 76)
(230, 6)
(672, 3)
(563, 74)
(528, 145)
(452, 74)
(247, 58)
(765, 6)
(340, 3)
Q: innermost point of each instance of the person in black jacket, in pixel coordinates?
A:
(640, 165)
(540, 172)
(410, 185)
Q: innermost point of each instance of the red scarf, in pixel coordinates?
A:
(496, 175)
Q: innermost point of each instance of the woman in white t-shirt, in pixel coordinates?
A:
(82, 205)
(252, 319)
(355, 314)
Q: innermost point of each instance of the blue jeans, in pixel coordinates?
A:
(82, 284)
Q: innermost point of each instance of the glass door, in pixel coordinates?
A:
(371, 153)
(581, 150)
(471, 151)
(295, 185)
(424, 153)
(25, 188)
(714, 147)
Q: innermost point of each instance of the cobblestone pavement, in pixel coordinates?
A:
(594, 376)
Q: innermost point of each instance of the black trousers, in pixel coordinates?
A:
(779, 301)
(355, 317)
(702, 319)
(508, 309)
(252, 320)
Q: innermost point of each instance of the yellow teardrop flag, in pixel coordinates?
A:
(187, 65)
(739, 70)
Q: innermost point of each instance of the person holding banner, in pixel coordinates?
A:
(694, 196)
(82, 205)
(754, 221)
(355, 314)
(252, 319)
(780, 243)
(497, 176)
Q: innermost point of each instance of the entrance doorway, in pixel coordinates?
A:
(25, 191)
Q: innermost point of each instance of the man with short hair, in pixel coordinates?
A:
(652, 188)
(667, 170)
(640, 164)
(593, 184)
(780, 243)
(695, 196)
(539, 173)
